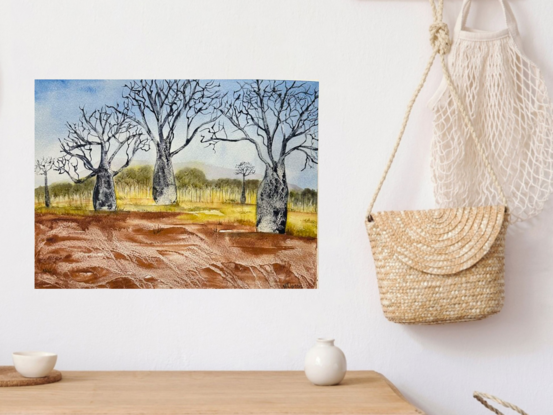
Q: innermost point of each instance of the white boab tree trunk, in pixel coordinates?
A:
(157, 107)
(92, 144)
(244, 169)
(278, 118)
(103, 195)
(164, 187)
(272, 201)
(42, 167)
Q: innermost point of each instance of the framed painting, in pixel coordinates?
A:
(176, 184)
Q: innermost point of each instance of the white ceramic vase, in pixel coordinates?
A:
(325, 364)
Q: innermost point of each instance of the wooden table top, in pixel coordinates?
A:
(213, 393)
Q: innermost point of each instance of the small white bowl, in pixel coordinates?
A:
(34, 364)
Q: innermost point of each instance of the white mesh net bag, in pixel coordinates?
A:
(507, 99)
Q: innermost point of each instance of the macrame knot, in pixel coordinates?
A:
(439, 38)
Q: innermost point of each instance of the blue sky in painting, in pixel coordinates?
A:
(58, 101)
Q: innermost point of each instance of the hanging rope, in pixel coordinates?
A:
(441, 45)
(481, 397)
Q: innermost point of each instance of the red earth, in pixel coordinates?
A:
(160, 250)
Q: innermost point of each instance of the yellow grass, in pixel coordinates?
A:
(302, 224)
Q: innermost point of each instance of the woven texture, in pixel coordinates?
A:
(441, 265)
(510, 109)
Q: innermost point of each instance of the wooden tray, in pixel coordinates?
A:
(10, 377)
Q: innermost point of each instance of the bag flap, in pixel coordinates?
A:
(440, 241)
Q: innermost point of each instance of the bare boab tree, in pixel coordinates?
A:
(93, 143)
(157, 108)
(278, 118)
(244, 169)
(42, 167)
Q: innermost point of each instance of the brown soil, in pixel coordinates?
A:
(160, 250)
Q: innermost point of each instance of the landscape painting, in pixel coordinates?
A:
(177, 183)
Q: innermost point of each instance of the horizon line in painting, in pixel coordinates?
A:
(176, 183)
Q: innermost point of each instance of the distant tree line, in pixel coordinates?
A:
(304, 200)
(277, 118)
(67, 193)
(135, 183)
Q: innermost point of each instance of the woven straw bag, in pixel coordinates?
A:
(442, 265)
(483, 397)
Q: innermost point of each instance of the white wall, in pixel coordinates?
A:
(368, 56)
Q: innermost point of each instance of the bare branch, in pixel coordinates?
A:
(69, 166)
(310, 148)
(158, 106)
(96, 139)
(134, 144)
(245, 169)
(201, 127)
(44, 165)
(218, 134)
(271, 115)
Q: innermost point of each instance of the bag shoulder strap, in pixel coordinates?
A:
(481, 397)
(510, 19)
(441, 45)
